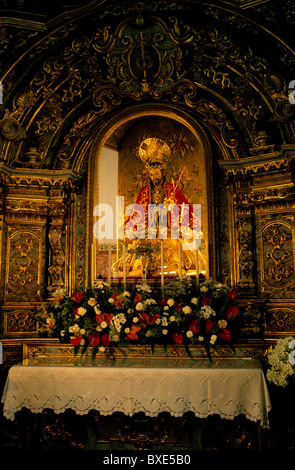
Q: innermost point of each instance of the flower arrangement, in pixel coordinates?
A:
(281, 362)
(105, 317)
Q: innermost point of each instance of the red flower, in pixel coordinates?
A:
(209, 324)
(224, 334)
(118, 299)
(78, 296)
(155, 317)
(178, 306)
(205, 300)
(231, 312)
(75, 340)
(177, 337)
(194, 326)
(144, 318)
(94, 339)
(75, 311)
(232, 294)
(138, 298)
(105, 340)
(133, 332)
(163, 301)
(107, 317)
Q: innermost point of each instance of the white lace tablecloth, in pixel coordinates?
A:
(227, 391)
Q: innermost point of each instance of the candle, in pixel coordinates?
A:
(197, 267)
(110, 264)
(162, 264)
(92, 265)
(124, 264)
(180, 259)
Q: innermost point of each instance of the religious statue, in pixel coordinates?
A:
(143, 253)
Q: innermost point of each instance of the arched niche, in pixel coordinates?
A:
(190, 156)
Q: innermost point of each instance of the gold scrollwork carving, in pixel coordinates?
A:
(281, 320)
(23, 261)
(277, 257)
(19, 321)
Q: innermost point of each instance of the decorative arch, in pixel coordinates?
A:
(124, 120)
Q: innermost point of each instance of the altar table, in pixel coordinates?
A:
(227, 388)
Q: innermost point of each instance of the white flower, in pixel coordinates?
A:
(204, 289)
(102, 349)
(82, 311)
(164, 332)
(213, 339)
(82, 342)
(189, 334)
(74, 329)
(222, 324)
(207, 311)
(166, 308)
(97, 311)
(82, 331)
(62, 333)
(292, 358)
(194, 300)
(164, 321)
(127, 330)
(292, 344)
(135, 319)
(170, 302)
(58, 292)
(92, 301)
(187, 310)
(111, 300)
(98, 328)
(144, 287)
(139, 306)
(103, 324)
(126, 293)
(158, 321)
(200, 338)
(172, 318)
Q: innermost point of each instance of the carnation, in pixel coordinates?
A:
(81, 311)
(222, 324)
(187, 310)
(139, 306)
(92, 302)
(213, 339)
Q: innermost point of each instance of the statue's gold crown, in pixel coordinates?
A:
(154, 150)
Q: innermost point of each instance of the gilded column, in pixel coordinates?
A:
(58, 224)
